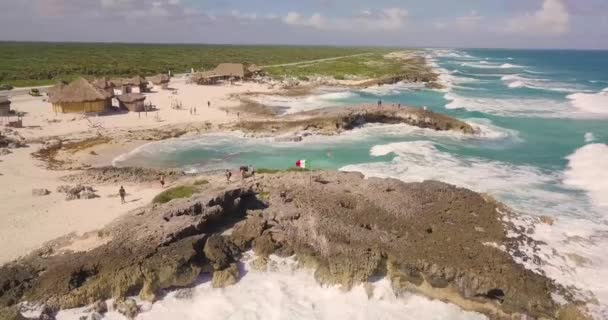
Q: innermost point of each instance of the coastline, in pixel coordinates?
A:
(95, 141)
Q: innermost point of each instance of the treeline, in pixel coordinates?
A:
(40, 63)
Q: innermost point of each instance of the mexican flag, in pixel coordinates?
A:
(302, 164)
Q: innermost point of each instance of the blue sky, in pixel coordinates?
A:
(411, 23)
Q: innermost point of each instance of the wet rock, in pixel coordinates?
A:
(260, 264)
(220, 251)
(128, 307)
(226, 277)
(40, 192)
(246, 231)
(100, 307)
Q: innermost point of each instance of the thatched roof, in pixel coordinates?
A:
(4, 100)
(230, 70)
(135, 81)
(254, 68)
(79, 90)
(131, 97)
(160, 79)
(102, 83)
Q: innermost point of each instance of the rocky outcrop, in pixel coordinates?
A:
(112, 175)
(431, 238)
(331, 121)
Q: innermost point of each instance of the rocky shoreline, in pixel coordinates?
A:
(430, 238)
(335, 120)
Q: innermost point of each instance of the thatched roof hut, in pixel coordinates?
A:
(5, 106)
(79, 96)
(133, 102)
(236, 70)
(125, 84)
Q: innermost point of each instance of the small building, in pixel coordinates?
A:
(230, 70)
(161, 80)
(5, 106)
(80, 96)
(133, 102)
(127, 85)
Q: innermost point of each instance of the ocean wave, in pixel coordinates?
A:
(511, 107)
(518, 81)
(594, 103)
(488, 65)
(524, 187)
(589, 137)
(287, 292)
(392, 89)
(588, 170)
(315, 101)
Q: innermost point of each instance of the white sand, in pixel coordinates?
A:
(39, 119)
(27, 222)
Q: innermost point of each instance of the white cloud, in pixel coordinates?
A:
(367, 20)
(551, 19)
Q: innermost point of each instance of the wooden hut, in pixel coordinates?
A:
(80, 96)
(230, 70)
(161, 80)
(133, 102)
(5, 106)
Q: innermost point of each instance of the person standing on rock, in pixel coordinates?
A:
(379, 103)
(162, 181)
(122, 194)
(228, 176)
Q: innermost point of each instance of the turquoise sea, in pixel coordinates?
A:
(542, 150)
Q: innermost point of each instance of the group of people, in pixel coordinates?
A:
(193, 109)
(243, 170)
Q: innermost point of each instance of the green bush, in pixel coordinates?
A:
(175, 193)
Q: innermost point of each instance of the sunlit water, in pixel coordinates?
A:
(544, 122)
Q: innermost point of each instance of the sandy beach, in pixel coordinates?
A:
(27, 221)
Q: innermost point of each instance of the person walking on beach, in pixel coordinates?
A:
(208, 104)
(122, 194)
(252, 169)
(228, 176)
(162, 181)
(194, 110)
(379, 103)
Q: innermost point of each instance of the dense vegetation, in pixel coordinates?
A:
(367, 66)
(24, 64)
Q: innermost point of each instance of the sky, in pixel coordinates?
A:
(572, 24)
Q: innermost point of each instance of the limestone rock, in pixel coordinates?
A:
(220, 251)
(127, 307)
(40, 192)
(226, 277)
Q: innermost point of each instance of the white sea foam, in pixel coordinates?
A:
(510, 107)
(527, 187)
(519, 81)
(595, 103)
(588, 170)
(315, 101)
(589, 137)
(392, 89)
(290, 293)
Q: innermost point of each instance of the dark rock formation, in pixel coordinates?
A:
(331, 121)
(425, 237)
